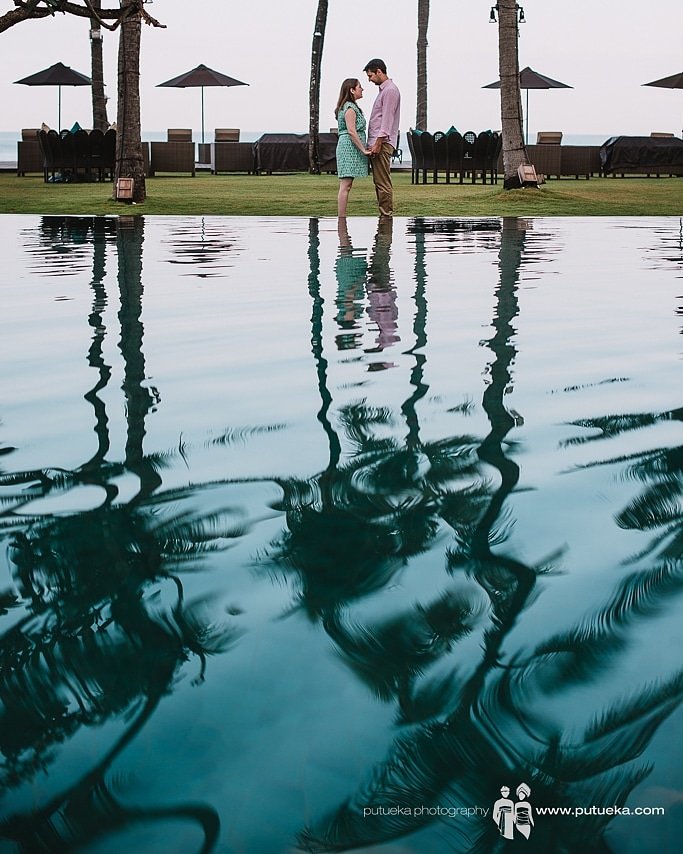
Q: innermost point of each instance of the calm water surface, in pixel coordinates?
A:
(314, 539)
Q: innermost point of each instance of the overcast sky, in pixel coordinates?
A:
(604, 50)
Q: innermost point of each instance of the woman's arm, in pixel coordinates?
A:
(350, 119)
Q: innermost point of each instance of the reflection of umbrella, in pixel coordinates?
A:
(202, 76)
(57, 75)
(530, 79)
(673, 82)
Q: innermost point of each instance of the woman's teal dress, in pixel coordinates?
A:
(350, 162)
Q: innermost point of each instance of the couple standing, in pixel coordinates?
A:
(382, 136)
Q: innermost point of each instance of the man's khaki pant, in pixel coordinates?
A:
(381, 175)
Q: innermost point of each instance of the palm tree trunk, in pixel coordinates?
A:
(99, 100)
(514, 152)
(129, 163)
(422, 24)
(314, 90)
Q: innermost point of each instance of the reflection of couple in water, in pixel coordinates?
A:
(357, 276)
(509, 815)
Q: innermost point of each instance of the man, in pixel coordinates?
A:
(383, 133)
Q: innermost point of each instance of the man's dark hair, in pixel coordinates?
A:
(376, 65)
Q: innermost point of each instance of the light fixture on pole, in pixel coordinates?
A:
(520, 14)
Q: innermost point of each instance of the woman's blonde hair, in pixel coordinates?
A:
(345, 94)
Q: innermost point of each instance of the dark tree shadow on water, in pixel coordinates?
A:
(469, 732)
(106, 631)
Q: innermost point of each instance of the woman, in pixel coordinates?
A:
(524, 817)
(352, 151)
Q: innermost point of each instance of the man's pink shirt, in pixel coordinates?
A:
(385, 114)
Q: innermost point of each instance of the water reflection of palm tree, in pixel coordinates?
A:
(352, 527)
(93, 645)
(486, 727)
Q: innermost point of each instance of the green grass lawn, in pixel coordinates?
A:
(315, 195)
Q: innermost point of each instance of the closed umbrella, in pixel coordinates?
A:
(202, 76)
(57, 75)
(530, 79)
(675, 81)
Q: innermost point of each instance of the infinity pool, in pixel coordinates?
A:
(314, 538)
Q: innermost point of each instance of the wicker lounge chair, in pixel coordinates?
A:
(415, 171)
(233, 157)
(29, 155)
(455, 151)
(172, 157)
(226, 135)
(179, 135)
(549, 137)
(580, 160)
(546, 158)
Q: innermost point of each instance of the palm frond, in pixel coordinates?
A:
(610, 426)
(241, 435)
(658, 506)
(631, 710)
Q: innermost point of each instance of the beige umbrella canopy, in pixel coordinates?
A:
(202, 76)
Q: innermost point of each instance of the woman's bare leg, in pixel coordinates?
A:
(343, 196)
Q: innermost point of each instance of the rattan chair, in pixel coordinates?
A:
(456, 150)
(179, 135)
(233, 157)
(480, 163)
(468, 140)
(29, 155)
(425, 142)
(549, 137)
(414, 172)
(546, 159)
(397, 153)
(580, 160)
(172, 157)
(226, 135)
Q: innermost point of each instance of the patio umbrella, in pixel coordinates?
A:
(57, 75)
(673, 82)
(202, 76)
(530, 79)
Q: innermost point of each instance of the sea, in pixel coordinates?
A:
(9, 139)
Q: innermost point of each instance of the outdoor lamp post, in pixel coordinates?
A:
(520, 14)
